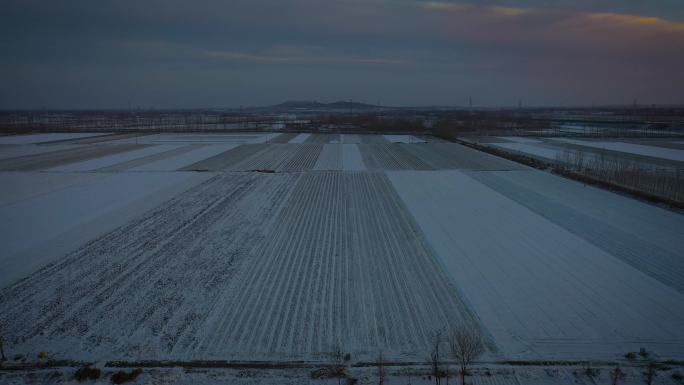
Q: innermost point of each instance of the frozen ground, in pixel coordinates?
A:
(414, 375)
(286, 246)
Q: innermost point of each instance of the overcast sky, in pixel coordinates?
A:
(169, 53)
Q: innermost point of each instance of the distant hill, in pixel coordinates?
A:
(317, 106)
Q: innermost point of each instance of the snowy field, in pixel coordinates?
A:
(662, 153)
(403, 139)
(544, 286)
(286, 246)
(44, 213)
(532, 148)
(43, 138)
(631, 148)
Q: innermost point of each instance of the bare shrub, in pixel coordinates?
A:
(616, 375)
(678, 377)
(87, 373)
(337, 368)
(121, 377)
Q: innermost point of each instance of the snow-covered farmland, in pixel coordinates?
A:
(52, 159)
(284, 247)
(17, 151)
(403, 139)
(43, 138)
(351, 158)
(543, 285)
(367, 281)
(630, 148)
(301, 138)
(645, 154)
(519, 139)
(531, 148)
(44, 216)
(187, 158)
(108, 161)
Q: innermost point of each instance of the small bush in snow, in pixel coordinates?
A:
(87, 373)
(121, 377)
(591, 372)
(677, 377)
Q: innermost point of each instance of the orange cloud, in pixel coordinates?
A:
(637, 20)
(608, 19)
(496, 10)
(440, 5)
(511, 11)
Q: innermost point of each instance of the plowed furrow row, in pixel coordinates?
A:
(344, 266)
(61, 157)
(162, 287)
(272, 158)
(227, 159)
(304, 158)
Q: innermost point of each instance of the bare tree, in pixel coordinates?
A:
(2, 349)
(650, 374)
(381, 369)
(336, 355)
(436, 339)
(616, 375)
(466, 346)
(337, 363)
